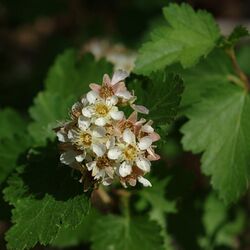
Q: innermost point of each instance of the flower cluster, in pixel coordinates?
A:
(102, 143)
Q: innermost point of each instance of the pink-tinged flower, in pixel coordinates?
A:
(130, 152)
(140, 129)
(130, 123)
(136, 174)
(148, 130)
(104, 145)
(113, 87)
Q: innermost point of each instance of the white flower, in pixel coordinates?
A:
(88, 138)
(102, 111)
(144, 181)
(104, 145)
(68, 157)
(101, 168)
(130, 153)
(114, 88)
(125, 169)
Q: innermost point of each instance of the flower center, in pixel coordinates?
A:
(85, 139)
(101, 109)
(127, 124)
(130, 153)
(106, 92)
(103, 162)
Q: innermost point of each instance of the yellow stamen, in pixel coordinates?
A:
(84, 139)
(103, 162)
(106, 92)
(130, 153)
(101, 109)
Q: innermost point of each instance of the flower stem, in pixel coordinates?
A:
(125, 199)
(237, 69)
(104, 196)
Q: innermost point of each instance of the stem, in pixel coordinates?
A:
(103, 195)
(125, 198)
(237, 69)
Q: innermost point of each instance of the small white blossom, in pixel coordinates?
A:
(101, 143)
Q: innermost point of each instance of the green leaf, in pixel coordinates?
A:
(68, 237)
(125, 233)
(157, 200)
(13, 140)
(237, 33)
(48, 110)
(188, 35)
(219, 127)
(220, 230)
(67, 80)
(160, 206)
(11, 123)
(161, 93)
(10, 150)
(243, 56)
(209, 73)
(45, 197)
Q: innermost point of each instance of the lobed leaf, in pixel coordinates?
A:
(13, 140)
(237, 33)
(45, 198)
(218, 127)
(161, 93)
(187, 37)
(67, 80)
(125, 233)
(220, 229)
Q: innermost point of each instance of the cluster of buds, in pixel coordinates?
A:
(102, 143)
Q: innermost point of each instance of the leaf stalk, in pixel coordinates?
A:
(243, 77)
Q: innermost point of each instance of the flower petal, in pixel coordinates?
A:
(140, 109)
(110, 171)
(68, 157)
(83, 122)
(62, 137)
(133, 117)
(128, 136)
(124, 94)
(118, 76)
(147, 128)
(99, 132)
(87, 111)
(95, 87)
(145, 143)
(114, 153)
(76, 107)
(92, 96)
(72, 134)
(91, 165)
(144, 181)
(132, 182)
(110, 143)
(81, 157)
(117, 115)
(107, 181)
(125, 169)
(84, 102)
(99, 149)
(111, 101)
(106, 79)
(100, 121)
(154, 137)
(143, 164)
(95, 171)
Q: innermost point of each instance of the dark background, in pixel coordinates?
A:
(33, 32)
